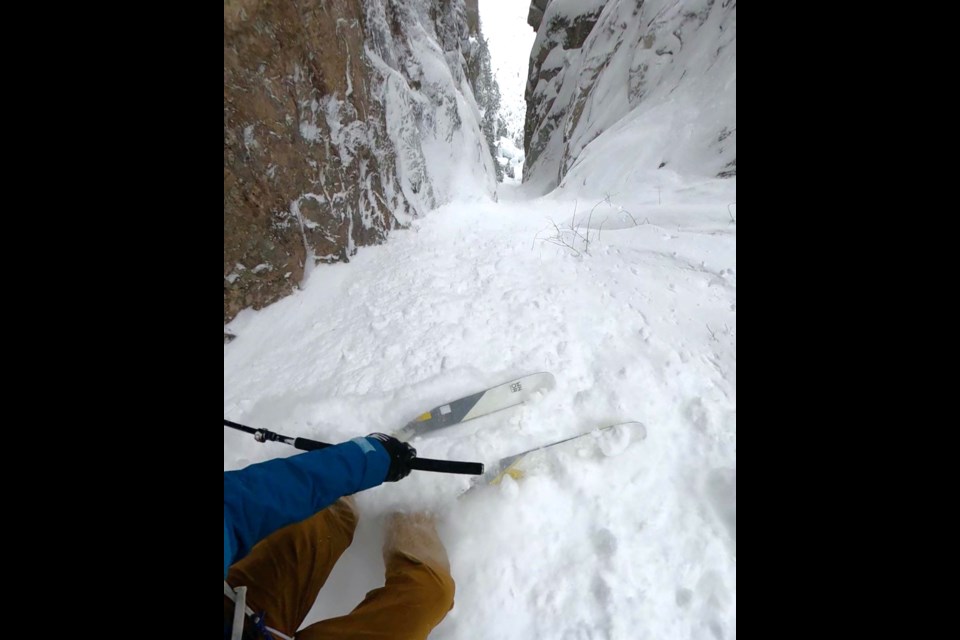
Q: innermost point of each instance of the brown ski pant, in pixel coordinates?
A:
(284, 573)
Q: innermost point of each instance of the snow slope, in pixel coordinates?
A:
(638, 541)
(505, 27)
(510, 37)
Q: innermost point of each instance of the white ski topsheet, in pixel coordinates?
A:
(477, 404)
(511, 394)
(603, 442)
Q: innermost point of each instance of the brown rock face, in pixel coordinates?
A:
(535, 13)
(298, 132)
(324, 102)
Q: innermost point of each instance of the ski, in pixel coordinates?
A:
(611, 440)
(494, 399)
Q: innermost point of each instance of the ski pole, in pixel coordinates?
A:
(304, 444)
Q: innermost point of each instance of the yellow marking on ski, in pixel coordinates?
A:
(424, 417)
(511, 471)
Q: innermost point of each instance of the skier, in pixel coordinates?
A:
(287, 521)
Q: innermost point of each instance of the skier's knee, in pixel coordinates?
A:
(436, 591)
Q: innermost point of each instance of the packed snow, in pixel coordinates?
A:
(639, 325)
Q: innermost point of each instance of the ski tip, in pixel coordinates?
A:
(636, 428)
(541, 381)
(616, 438)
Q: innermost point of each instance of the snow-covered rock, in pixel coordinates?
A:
(654, 79)
(342, 120)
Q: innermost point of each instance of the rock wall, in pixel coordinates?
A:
(342, 120)
(662, 65)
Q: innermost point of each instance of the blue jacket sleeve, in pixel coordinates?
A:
(270, 495)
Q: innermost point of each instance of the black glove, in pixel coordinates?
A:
(400, 453)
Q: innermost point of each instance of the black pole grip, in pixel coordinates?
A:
(447, 466)
(309, 445)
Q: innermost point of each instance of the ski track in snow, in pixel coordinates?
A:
(640, 543)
